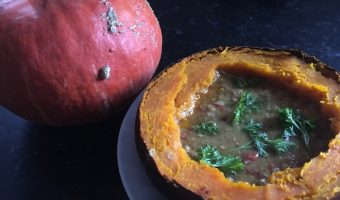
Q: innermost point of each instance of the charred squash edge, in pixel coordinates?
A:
(172, 188)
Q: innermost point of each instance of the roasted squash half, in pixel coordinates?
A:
(173, 92)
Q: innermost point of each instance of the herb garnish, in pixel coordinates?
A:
(206, 128)
(281, 146)
(295, 124)
(247, 103)
(262, 142)
(213, 157)
(258, 137)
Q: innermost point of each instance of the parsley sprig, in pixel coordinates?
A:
(247, 103)
(206, 128)
(261, 141)
(213, 157)
(258, 137)
(295, 124)
(281, 146)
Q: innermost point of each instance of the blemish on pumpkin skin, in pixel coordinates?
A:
(136, 34)
(132, 27)
(134, 31)
(106, 2)
(104, 73)
(111, 18)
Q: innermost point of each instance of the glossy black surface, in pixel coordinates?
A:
(38, 162)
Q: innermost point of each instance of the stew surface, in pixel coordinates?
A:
(217, 107)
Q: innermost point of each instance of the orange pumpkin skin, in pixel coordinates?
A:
(52, 55)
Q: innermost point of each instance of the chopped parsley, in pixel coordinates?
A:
(213, 157)
(206, 128)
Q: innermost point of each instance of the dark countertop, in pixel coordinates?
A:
(39, 162)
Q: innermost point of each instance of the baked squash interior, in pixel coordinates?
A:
(280, 117)
(170, 126)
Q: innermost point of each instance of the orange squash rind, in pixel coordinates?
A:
(171, 96)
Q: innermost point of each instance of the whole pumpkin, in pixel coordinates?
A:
(72, 62)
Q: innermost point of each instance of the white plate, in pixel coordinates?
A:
(136, 181)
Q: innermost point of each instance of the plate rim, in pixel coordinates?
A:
(125, 177)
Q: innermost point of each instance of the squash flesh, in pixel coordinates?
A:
(173, 92)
